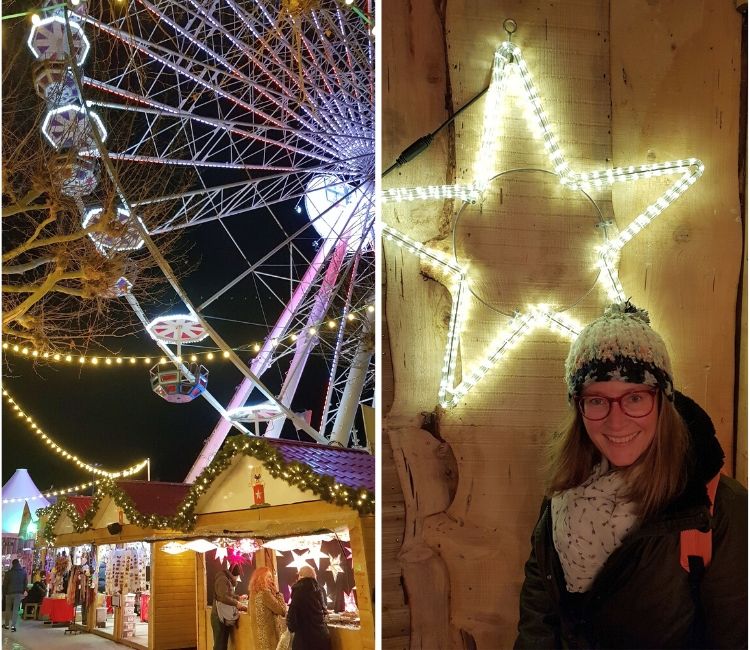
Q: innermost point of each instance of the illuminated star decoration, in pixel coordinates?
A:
(335, 566)
(298, 561)
(350, 602)
(509, 64)
(315, 554)
(237, 557)
(220, 554)
(325, 591)
(348, 550)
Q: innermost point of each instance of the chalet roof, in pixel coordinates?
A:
(354, 468)
(81, 504)
(155, 497)
(151, 504)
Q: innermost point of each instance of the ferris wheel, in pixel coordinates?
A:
(257, 109)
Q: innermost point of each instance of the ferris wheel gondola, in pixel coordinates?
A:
(176, 382)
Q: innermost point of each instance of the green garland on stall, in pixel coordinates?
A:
(54, 512)
(293, 473)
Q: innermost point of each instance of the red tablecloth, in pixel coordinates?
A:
(144, 607)
(57, 609)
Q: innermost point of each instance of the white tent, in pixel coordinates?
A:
(21, 488)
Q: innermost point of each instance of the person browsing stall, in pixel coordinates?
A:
(224, 592)
(307, 612)
(267, 609)
(627, 476)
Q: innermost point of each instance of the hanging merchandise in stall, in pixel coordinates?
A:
(69, 582)
(81, 587)
(59, 565)
(331, 557)
(226, 553)
(123, 580)
(125, 568)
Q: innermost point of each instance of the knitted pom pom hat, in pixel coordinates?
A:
(619, 346)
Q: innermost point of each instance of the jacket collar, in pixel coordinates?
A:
(705, 455)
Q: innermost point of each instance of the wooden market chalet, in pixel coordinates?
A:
(257, 493)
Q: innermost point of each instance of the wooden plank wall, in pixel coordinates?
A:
(362, 542)
(394, 608)
(173, 606)
(623, 83)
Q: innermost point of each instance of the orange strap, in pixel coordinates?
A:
(694, 542)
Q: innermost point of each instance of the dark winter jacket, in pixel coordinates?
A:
(224, 588)
(36, 594)
(15, 580)
(641, 597)
(306, 616)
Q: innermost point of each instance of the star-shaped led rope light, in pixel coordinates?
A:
(508, 64)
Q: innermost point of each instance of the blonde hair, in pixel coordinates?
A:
(307, 571)
(258, 582)
(654, 480)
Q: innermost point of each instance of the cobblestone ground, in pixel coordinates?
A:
(35, 635)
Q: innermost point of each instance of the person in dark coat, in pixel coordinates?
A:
(37, 592)
(306, 617)
(626, 477)
(15, 582)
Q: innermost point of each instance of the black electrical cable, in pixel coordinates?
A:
(420, 144)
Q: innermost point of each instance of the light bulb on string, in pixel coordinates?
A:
(51, 444)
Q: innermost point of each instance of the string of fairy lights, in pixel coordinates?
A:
(64, 453)
(77, 358)
(184, 518)
(54, 493)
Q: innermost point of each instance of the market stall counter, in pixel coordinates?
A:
(343, 636)
(57, 610)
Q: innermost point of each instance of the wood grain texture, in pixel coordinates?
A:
(394, 608)
(634, 82)
(686, 268)
(172, 616)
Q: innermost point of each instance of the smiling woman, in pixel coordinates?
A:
(627, 478)
(622, 433)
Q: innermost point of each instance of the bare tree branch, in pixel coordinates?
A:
(58, 284)
(26, 204)
(37, 294)
(17, 269)
(99, 226)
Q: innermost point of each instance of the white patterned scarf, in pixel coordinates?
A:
(588, 523)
